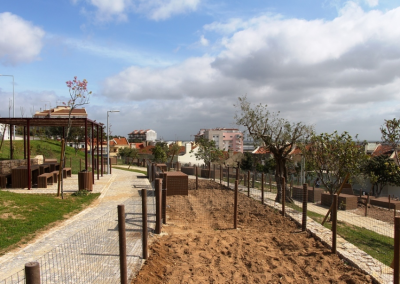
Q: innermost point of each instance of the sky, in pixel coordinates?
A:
(176, 66)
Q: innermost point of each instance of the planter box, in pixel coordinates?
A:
(177, 183)
(313, 195)
(348, 201)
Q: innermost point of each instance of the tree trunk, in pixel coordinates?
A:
(279, 173)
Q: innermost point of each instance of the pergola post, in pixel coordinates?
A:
(29, 155)
(97, 148)
(86, 160)
(92, 152)
(24, 142)
(11, 142)
(101, 151)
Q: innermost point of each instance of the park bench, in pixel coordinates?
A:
(55, 175)
(44, 179)
(67, 172)
(4, 180)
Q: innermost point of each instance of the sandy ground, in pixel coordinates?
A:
(199, 245)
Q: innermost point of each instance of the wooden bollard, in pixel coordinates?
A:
(235, 205)
(122, 244)
(334, 222)
(144, 223)
(32, 273)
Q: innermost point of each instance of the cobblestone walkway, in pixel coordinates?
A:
(85, 247)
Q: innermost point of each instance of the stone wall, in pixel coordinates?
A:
(7, 165)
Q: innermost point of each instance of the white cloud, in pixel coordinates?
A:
(204, 41)
(319, 71)
(20, 40)
(157, 10)
(164, 9)
(372, 3)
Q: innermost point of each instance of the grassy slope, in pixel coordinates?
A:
(49, 148)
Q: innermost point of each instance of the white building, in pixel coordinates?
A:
(188, 157)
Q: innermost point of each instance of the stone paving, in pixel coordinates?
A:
(85, 247)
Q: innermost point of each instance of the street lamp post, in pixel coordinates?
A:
(13, 100)
(108, 143)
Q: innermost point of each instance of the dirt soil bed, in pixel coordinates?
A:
(266, 248)
(378, 213)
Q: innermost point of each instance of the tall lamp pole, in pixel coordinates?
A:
(13, 100)
(108, 143)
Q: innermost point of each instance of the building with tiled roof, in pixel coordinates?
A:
(116, 143)
(142, 135)
(382, 149)
(61, 112)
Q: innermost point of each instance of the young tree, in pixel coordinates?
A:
(391, 134)
(208, 152)
(173, 151)
(160, 152)
(277, 134)
(333, 156)
(79, 96)
(382, 171)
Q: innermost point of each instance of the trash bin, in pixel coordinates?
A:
(85, 180)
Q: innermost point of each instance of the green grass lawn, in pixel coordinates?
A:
(50, 149)
(130, 170)
(22, 216)
(378, 246)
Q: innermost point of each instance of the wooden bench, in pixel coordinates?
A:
(55, 175)
(44, 179)
(4, 180)
(67, 172)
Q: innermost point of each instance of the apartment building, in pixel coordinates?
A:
(227, 139)
(142, 135)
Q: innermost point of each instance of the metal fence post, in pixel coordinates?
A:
(334, 222)
(158, 205)
(32, 273)
(254, 180)
(122, 244)
(235, 213)
(237, 173)
(305, 200)
(144, 222)
(262, 188)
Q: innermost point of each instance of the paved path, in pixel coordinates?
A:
(85, 247)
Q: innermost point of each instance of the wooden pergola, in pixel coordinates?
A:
(27, 123)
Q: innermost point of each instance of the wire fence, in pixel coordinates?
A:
(367, 223)
(92, 254)
(208, 209)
